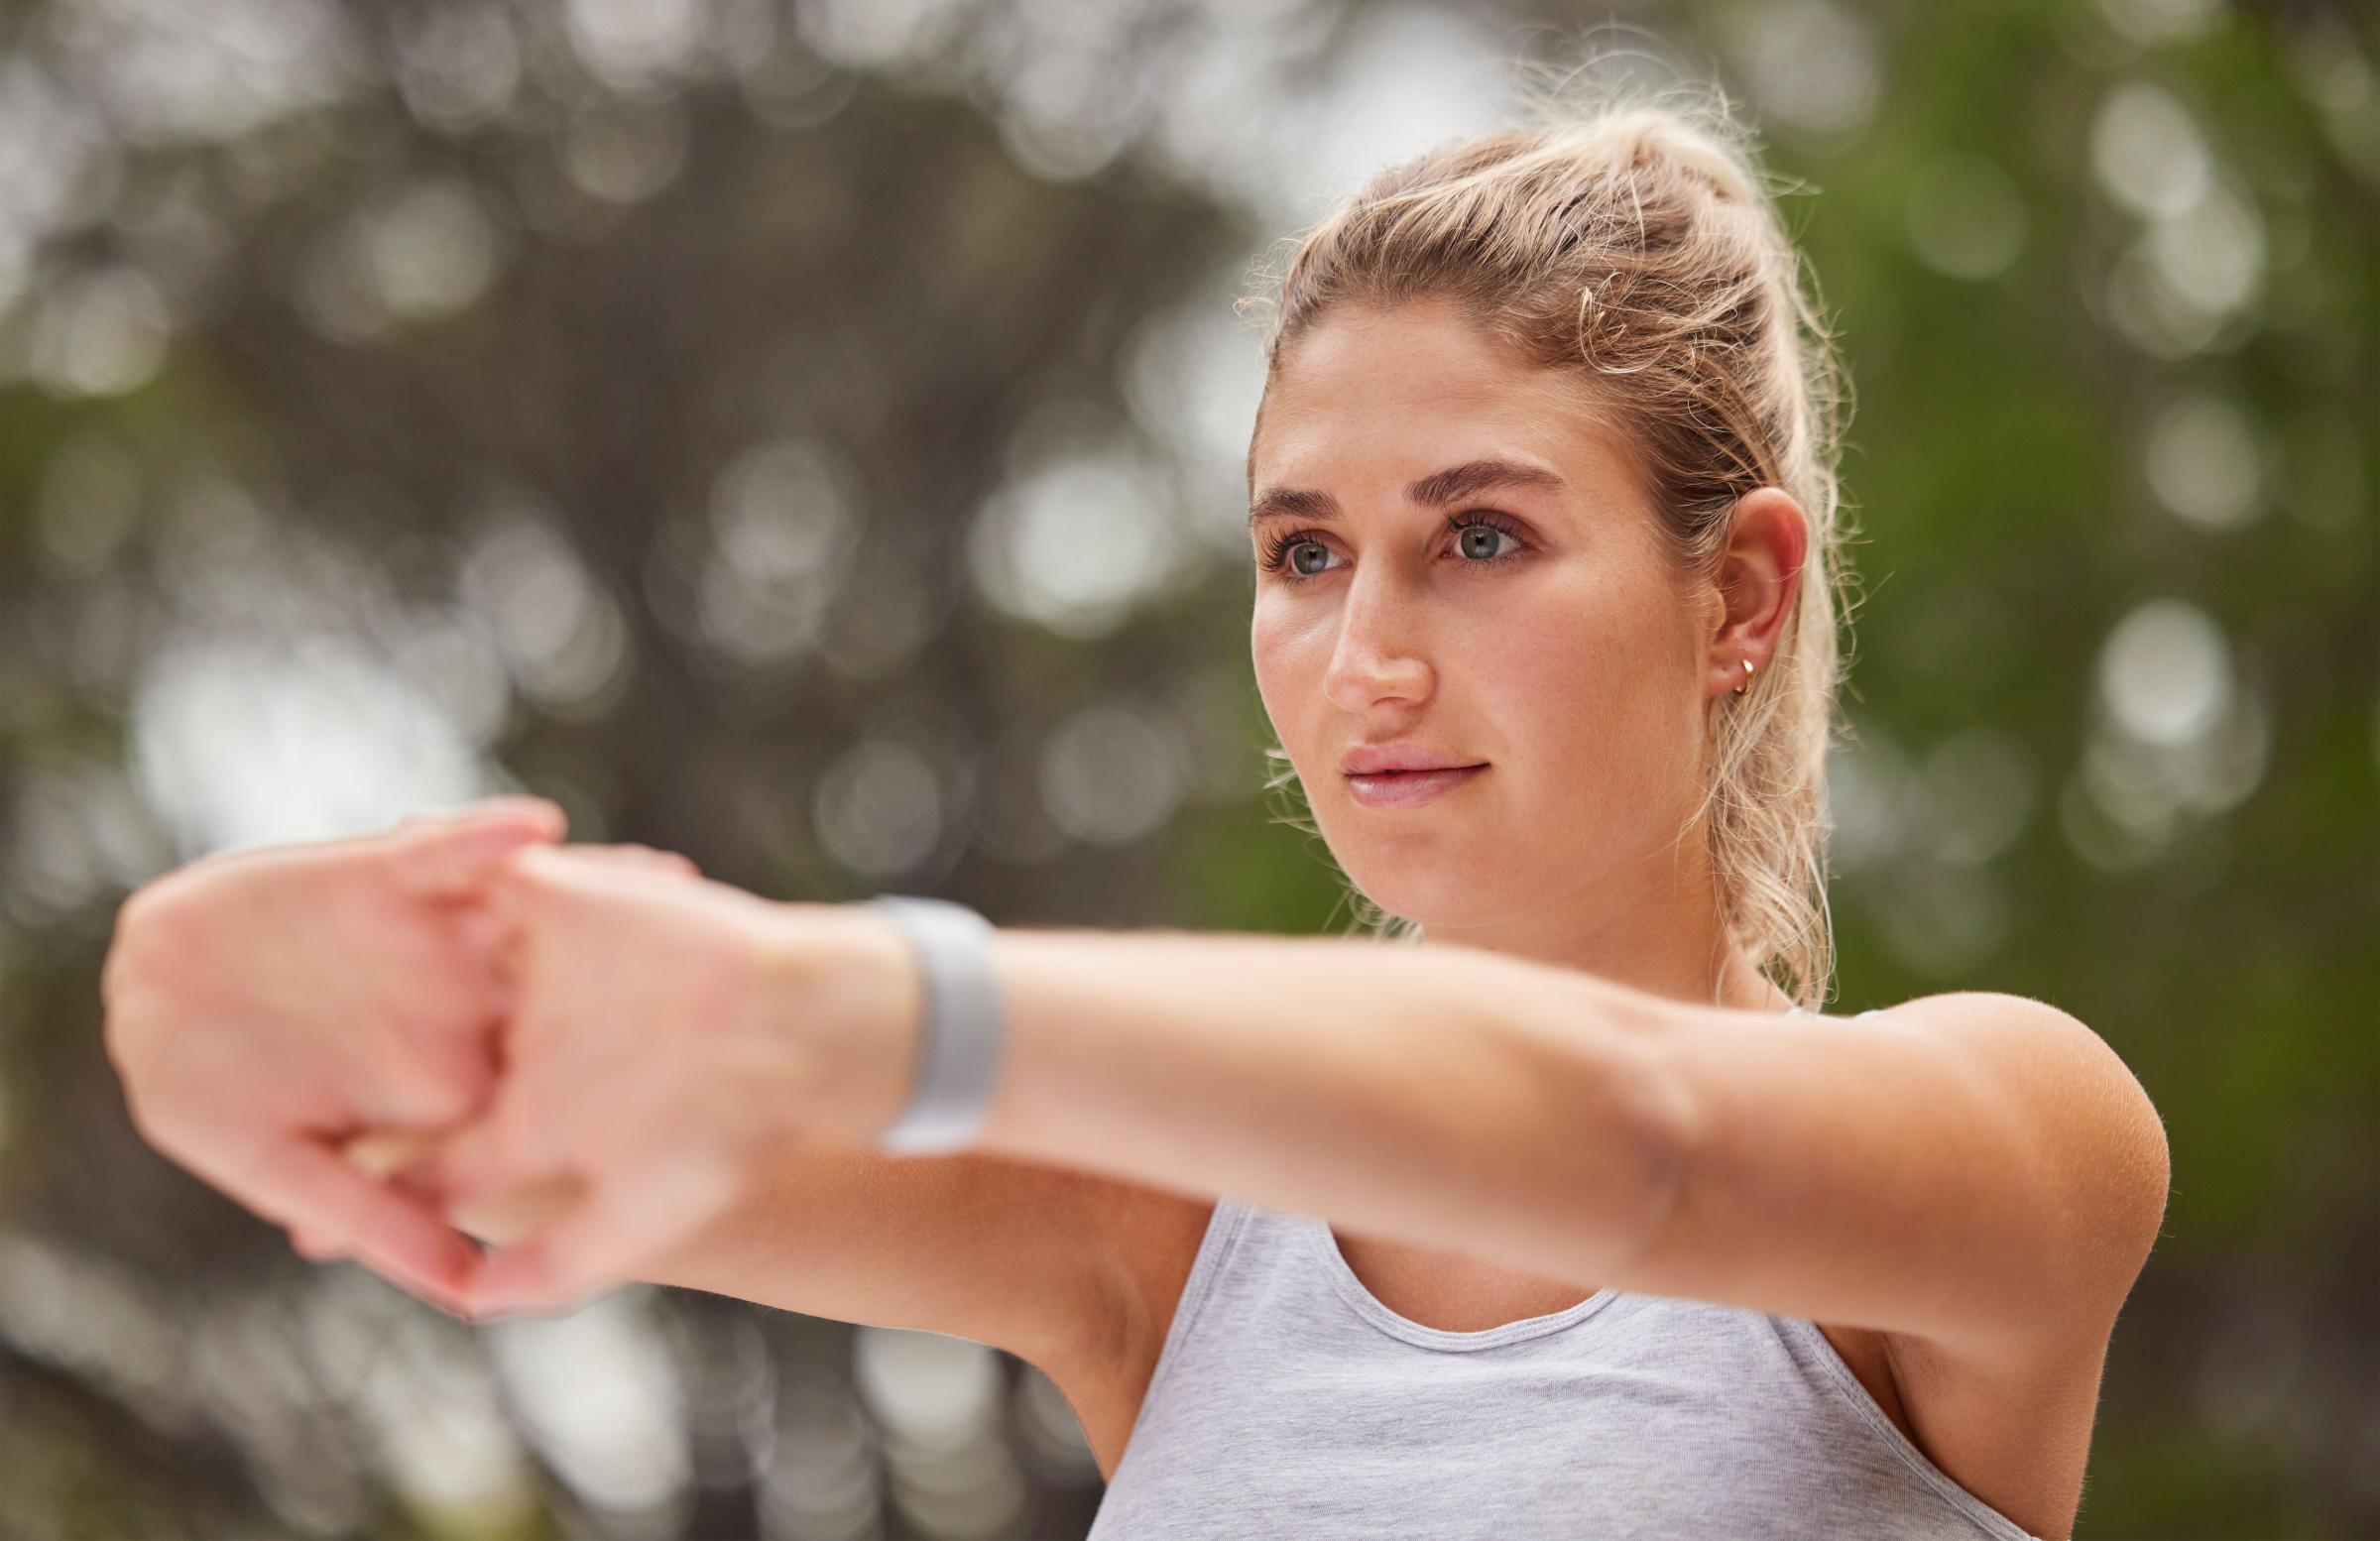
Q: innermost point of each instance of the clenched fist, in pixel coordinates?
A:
(671, 1039)
(581, 1054)
(263, 1006)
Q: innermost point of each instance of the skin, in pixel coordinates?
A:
(673, 1039)
(1579, 670)
(221, 974)
(366, 1040)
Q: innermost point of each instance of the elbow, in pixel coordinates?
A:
(1609, 1143)
(1662, 1119)
(1643, 1151)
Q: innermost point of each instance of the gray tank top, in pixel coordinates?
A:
(1288, 1400)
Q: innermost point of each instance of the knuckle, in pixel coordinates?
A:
(139, 920)
(418, 1091)
(315, 1245)
(156, 1118)
(143, 1119)
(119, 1034)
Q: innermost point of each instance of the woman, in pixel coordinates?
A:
(1569, 1220)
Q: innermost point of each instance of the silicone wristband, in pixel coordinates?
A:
(960, 1037)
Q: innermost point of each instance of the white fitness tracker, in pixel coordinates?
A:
(960, 1038)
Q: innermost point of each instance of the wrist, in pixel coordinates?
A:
(841, 983)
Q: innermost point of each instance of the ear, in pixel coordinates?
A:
(1759, 573)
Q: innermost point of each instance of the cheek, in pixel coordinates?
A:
(1289, 659)
(1587, 676)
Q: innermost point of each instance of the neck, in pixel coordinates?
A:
(1666, 939)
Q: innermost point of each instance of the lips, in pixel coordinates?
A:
(1373, 758)
(1407, 788)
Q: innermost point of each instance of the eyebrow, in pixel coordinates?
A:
(1434, 491)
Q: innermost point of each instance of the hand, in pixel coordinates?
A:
(260, 1005)
(411, 1155)
(673, 1037)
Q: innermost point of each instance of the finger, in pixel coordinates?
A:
(640, 856)
(493, 943)
(398, 1235)
(472, 1178)
(427, 1081)
(673, 861)
(312, 1246)
(448, 858)
(482, 1164)
(596, 1244)
(496, 921)
(544, 810)
(541, 813)
(504, 1219)
(537, 871)
(384, 1154)
(510, 888)
(403, 1158)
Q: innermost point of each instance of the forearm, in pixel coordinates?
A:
(966, 1243)
(1438, 1094)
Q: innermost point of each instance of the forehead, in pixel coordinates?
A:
(1390, 394)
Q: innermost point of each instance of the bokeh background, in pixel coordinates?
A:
(810, 436)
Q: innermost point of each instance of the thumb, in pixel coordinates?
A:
(485, 1190)
(448, 856)
(597, 1241)
(468, 1165)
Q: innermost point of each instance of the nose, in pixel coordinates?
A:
(1371, 659)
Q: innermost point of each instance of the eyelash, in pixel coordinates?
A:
(1276, 550)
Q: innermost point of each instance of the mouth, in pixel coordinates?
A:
(1406, 788)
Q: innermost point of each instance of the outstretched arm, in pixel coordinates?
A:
(1964, 1168)
(1975, 1171)
(1442, 1094)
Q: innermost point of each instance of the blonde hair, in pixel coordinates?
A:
(1631, 244)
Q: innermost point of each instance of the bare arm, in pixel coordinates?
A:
(1951, 1169)
(1438, 1094)
(1001, 1251)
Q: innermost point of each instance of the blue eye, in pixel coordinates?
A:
(1500, 534)
(1276, 557)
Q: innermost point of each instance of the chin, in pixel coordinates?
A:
(1445, 897)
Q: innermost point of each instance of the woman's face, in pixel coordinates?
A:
(1549, 642)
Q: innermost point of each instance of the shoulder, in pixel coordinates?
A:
(2014, 1426)
(2096, 1131)
(2032, 1047)
(2019, 1036)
